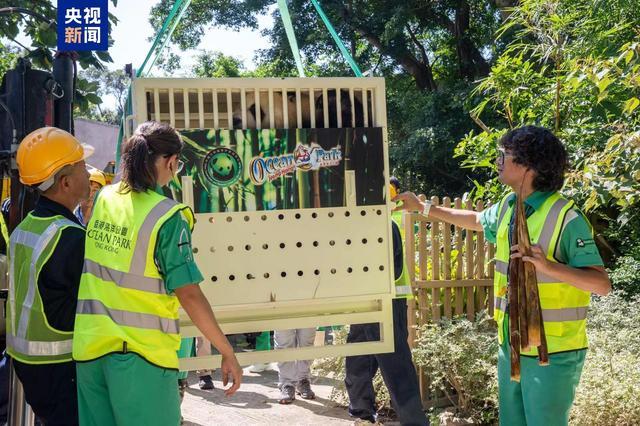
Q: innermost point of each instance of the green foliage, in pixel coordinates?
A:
(573, 68)
(610, 382)
(461, 356)
(423, 130)
(218, 65)
(429, 41)
(8, 58)
(625, 277)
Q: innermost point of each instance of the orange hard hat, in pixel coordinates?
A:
(44, 152)
(97, 176)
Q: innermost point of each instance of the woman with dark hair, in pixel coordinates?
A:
(532, 162)
(138, 269)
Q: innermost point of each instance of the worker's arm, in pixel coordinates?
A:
(467, 219)
(199, 310)
(590, 278)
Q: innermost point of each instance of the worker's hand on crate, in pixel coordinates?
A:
(231, 369)
(411, 202)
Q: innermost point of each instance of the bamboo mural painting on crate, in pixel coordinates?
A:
(253, 170)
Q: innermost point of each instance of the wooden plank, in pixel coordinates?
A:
(185, 99)
(200, 109)
(299, 107)
(446, 261)
(481, 293)
(365, 107)
(463, 283)
(339, 107)
(172, 109)
(230, 111)
(285, 108)
(435, 263)
(471, 309)
(243, 109)
(272, 119)
(156, 104)
(459, 260)
(325, 108)
(353, 107)
(216, 113)
(423, 256)
(312, 108)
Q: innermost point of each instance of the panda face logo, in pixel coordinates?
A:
(222, 167)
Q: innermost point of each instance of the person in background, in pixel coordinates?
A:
(46, 253)
(397, 369)
(138, 270)
(96, 182)
(293, 376)
(262, 343)
(532, 162)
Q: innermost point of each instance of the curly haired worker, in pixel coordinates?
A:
(138, 269)
(532, 162)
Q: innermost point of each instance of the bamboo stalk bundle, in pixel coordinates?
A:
(526, 328)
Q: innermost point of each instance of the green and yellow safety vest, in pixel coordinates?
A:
(402, 284)
(123, 305)
(30, 337)
(564, 307)
(4, 231)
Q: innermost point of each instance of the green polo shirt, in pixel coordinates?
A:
(576, 248)
(174, 255)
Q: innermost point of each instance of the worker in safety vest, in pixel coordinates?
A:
(138, 270)
(532, 162)
(46, 254)
(96, 181)
(397, 367)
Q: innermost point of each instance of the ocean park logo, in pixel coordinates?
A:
(305, 158)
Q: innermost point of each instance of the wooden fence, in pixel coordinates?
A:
(450, 270)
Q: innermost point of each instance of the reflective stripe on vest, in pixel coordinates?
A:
(34, 348)
(31, 320)
(550, 315)
(129, 319)
(124, 279)
(564, 307)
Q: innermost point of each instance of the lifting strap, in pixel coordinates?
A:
(159, 43)
(345, 53)
(291, 36)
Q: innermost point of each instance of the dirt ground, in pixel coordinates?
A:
(256, 403)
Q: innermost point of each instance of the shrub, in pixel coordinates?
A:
(610, 383)
(460, 357)
(625, 277)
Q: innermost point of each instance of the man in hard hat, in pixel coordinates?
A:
(46, 255)
(96, 181)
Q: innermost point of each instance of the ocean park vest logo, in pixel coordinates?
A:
(305, 158)
(222, 167)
